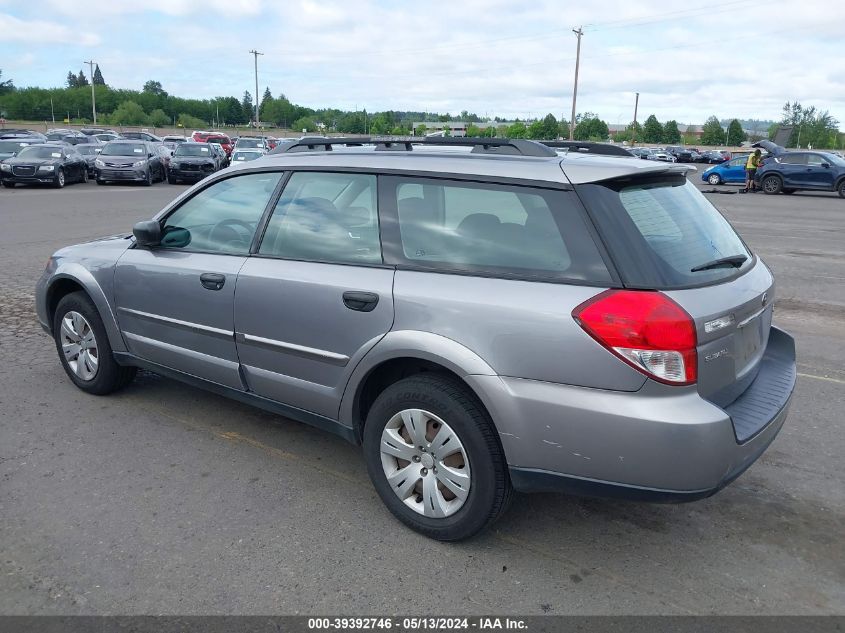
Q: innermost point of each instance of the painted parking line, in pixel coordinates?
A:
(824, 378)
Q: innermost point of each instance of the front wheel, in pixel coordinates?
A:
(60, 179)
(841, 189)
(434, 458)
(772, 184)
(84, 349)
(714, 179)
(148, 181)
(84, 176)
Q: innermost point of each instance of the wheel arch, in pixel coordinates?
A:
(74, 278)
(402, 354)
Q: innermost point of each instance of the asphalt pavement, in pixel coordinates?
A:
(165, 499)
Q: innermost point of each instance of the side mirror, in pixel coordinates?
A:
(176, 237)
(147, 233)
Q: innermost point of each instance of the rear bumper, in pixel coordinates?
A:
(661, 443)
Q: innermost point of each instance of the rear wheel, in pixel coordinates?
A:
(84, 348)
(434, 458)
(714, 179)
(772, 184)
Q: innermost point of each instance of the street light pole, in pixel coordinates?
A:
(578, 32)
(634, 130)
(256, 54)
(93, 97)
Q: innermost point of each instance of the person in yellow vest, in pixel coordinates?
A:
(750, 169)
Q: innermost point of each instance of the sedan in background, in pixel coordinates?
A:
(247, 142)
(712, 157)
(132, 161)
(244, 155)
(661, 155)
(90, 152)
(10, 133)
(69, 137)
(47, 164)
(192, 162)
(9, 148)
(105, 137)
(174, 138)
(141, 136)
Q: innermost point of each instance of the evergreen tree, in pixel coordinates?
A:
(652, 130)
(246, 106)
(736, 135)
(712, 132)
(81, 79)
(72, 80)
(671, 134)
(98, 77)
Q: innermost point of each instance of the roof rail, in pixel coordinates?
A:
(589, 147)
(518, 147)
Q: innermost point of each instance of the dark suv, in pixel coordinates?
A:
(789, 172)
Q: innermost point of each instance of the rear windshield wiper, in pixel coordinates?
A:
(734, 260)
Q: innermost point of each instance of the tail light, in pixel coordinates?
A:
(645, 329)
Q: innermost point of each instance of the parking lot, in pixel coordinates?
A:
(167, 499)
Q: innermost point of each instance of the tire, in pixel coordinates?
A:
(771, 185)
(714, 179)
(841, 189)
(788, 191)
(93, 369)
(84, 177)
(148, 181)
(446, 406)
(60, 179)
(171, 180)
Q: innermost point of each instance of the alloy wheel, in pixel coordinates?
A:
(79, 345)
(425, 463)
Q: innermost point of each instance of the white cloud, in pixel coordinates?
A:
(13, 29)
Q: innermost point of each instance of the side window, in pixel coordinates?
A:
(814, 160)
(329, 217)
(492, 229)
(221, 218)
(794, 159)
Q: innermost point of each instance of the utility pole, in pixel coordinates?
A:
(634, 130)
(256, 54)
(578, 32)
(52, 112)
(93, 98)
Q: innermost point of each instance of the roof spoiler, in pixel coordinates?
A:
(513, 147)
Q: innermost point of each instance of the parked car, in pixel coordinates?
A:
(222, 156)
(92, 131)
(712, 157)
(641, 152)
(105, 137)
(661, 155)
(69, 137)
(789, 172)
(90, 152)
(141, 136)
(251, 143)
(174, 138)
(728, 172)
(243, 155)
(54, 164)
(193, 161)
(682, 154)
(643, 363)
(214, 137)
(10, 147)
(126, 160)
(11, 133)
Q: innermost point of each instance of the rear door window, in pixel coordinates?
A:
(658, 231)
(489, 229)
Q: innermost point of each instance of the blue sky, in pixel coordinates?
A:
(688, 60)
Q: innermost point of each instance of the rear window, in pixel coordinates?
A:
(659, 231)
(490, 229)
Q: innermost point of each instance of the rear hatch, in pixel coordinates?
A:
(664, 235)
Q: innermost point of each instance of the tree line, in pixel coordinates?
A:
(152, 105)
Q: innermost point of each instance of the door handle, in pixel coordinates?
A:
(360, 301)
(212, 281)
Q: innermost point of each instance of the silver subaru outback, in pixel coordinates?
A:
(482, 315)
